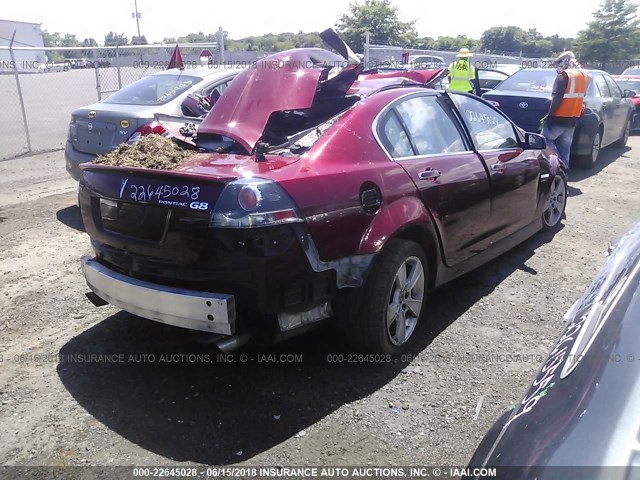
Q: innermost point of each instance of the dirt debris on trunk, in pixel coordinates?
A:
(151, 151)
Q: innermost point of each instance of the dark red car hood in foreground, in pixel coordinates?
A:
(291, 80)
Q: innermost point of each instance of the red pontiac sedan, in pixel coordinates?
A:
(319, 191)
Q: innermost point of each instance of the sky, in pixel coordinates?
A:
(243, 18)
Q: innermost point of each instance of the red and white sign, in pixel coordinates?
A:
(206, 57)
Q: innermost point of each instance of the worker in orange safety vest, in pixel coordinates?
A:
(568, 94)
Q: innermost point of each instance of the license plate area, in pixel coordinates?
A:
(146, 222)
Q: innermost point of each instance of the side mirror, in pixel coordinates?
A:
(629, 93)
(534, 141)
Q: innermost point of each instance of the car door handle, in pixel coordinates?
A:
(429, 174)
(498, 167)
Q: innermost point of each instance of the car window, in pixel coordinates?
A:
(218, 88)
(431, 129)
(592, 89)
(153, 90)
(490, 79)
(394, 137)
(601, 83)
(528, 80)
(633, 85)
(489, 129)
(613, 87)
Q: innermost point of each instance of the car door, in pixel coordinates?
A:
(487, 79)
(514, 171)
(619, 107)
(602, 104)
(421, 134)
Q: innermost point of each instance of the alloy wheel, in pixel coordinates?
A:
(405, 301)
(595, 148)
(556, 202)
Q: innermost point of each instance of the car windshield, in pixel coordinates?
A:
(153, 90)
(530, 81)
(633, 85)
(631, 71)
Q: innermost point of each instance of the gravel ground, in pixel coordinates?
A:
(152, 395)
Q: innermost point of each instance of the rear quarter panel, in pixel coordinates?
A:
(326, 182)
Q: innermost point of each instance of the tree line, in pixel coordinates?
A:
(612, 35)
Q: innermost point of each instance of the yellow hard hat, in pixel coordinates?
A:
(464, 53)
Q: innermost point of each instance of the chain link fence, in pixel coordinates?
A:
(393, 57)
(14, 139)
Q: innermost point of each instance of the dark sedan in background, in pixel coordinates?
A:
(582, 411)
(526, 96)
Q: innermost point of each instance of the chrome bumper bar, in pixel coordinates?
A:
(192, 309)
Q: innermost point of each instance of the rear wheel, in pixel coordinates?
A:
(392, 299)
(556, 203)
(625, 135)
(589, 160)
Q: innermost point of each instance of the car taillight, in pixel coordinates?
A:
(253, 202)
(71, 132)
(147, 129)
(248, 198)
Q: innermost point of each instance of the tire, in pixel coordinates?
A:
(589, 160)
(622, 142)
(556, 204)
(384, 302)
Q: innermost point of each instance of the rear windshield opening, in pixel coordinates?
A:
(284, 125)
(153, 90)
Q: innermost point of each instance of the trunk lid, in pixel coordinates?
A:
(145, 218)
(284, 81)
(99, 130)
(526, 109)
(195, 185)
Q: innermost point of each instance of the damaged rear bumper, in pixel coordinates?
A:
(192, 309)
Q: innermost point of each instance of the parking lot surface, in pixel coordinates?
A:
(81, 385)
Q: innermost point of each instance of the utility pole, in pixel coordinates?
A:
(138, 15)
(137, 18)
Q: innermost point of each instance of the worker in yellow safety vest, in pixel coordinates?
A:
(461, 72)
(568, 93)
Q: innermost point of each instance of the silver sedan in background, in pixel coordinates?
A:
(128, 114)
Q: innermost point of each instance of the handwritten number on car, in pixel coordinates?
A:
(145, 193)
